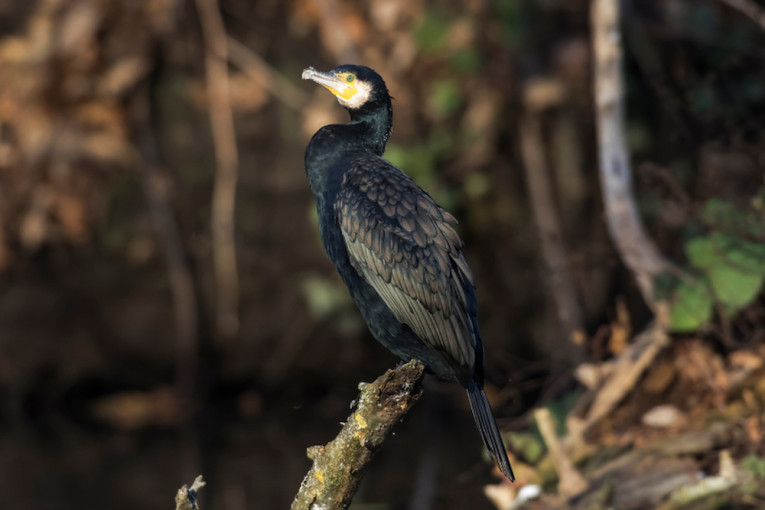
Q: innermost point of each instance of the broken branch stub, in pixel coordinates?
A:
(339, 466)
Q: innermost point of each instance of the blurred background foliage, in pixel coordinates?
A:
(107, 166)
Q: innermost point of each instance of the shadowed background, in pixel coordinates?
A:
(166, 308)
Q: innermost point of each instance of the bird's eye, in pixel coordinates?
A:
(350, 78)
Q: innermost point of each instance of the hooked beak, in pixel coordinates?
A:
(329, 80)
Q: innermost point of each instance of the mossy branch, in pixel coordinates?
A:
(339, 466)
(186, 498)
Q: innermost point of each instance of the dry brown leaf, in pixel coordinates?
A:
(659, 378)
(59, 105)
(35, 227)
(35, 132)
(77, 29)
(135, 409)
(628, 368)
(591, 375)
(759, 388)
(501, 495)
(746, 358)
(542, 93)
(748, 396)
(697, 363)
(579, 337)
(754, 429)
(735, 410)
(71, 213)
(664, 416)
(621, 329)
(122, 75)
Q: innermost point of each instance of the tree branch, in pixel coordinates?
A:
(186, 497)
(339, 466)
(636, 249)
(224, 190)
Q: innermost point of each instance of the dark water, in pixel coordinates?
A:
(64, 459)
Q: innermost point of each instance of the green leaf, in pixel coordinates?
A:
(467, 60)
(727, 216)
(736, 280)
(702, 252)
(717, 210)
(758, 252)
(691, 307)
(528, 444)
(431, 34)
(735, 268)
(754, 465)
(444, 97)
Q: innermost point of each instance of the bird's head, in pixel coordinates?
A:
(356, 87)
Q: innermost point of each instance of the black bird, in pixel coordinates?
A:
(394, 246)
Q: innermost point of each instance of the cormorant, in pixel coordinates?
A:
(395, 248)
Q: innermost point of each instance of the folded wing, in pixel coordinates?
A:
(404, 245)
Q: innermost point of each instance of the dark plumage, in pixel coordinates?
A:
(395, 248)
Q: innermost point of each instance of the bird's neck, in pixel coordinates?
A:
(373, 127)
(367, 131)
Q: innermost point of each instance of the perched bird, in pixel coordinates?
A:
(395, 248)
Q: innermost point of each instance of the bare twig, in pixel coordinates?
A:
(265, 75)
(625, 371)
(748, 8)
(558, 278)
(570, 481)
(224, 190)
(638, 252)
(339, 466)
(186, 498)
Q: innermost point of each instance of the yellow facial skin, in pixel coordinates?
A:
(349, 90)
(346, 92)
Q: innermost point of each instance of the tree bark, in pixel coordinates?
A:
(339, 466)
(636, 249)
(226, 174)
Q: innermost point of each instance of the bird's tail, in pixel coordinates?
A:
(488, 428)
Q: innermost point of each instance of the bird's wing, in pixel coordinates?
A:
(404, 245)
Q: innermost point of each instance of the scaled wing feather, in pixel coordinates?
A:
(405, 246)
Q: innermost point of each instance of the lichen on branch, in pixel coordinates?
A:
(339, 466)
